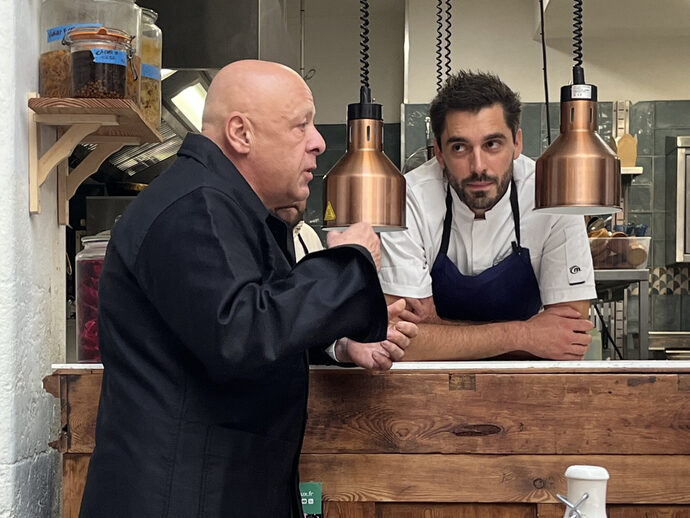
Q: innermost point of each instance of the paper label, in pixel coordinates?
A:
(311, 499)
(109, 56)
(57, 33)
(151, 71)
(581, 91)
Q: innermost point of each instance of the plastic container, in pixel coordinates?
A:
(152, 60)
(619, 252)
(89, 263)
(100, 57)
(59, 16)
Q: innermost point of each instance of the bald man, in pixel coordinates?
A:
(205, 319)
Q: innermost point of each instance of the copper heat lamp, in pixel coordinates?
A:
(364, 185)
(578, 173)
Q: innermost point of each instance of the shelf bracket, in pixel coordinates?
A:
(109, 124)
(40, 168)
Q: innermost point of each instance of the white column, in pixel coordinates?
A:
(32, 287)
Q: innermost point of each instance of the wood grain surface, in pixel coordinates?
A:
(130, 120)
(435, 444)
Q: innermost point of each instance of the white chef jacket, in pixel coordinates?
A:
(558, 244)
(310, 238)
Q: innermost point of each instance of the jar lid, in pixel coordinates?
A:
(145, 11)
(583, 472)
(101, 237)
(96, 32)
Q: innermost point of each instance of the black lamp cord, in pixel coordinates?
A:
(442, 50)
(439, 46)
(546, 82)
(606, 334)
(447, 40)
(365, 90)
(578, 71)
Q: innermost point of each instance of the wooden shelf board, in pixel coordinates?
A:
(129, 116)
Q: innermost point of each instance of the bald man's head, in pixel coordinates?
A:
(261, 115)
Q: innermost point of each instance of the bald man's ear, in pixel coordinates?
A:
(238, 133)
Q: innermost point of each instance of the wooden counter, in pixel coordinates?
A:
(465, 440)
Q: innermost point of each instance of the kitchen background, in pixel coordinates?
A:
(637, 50)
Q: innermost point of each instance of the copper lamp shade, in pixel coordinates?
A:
(364, 185)
(578, 173)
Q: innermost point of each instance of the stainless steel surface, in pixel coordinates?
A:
(364, 185)
(212, 33)
(677, 199)
(578, 173)
(640, 276)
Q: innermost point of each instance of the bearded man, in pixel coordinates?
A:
(484, 275)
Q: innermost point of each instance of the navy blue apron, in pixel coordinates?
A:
(507, 291)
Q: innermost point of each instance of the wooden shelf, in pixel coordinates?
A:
(108, 123)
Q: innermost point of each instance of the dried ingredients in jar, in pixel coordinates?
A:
(55, 74)
(151, 100)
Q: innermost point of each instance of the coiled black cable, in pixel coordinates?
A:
(439, 39)
(577, 32)
(447, 40)
(364, 42)
(546, 82)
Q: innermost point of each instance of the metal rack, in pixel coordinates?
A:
(619, 280)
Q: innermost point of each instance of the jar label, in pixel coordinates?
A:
(57, 33)
(109, 56)
(151, 71)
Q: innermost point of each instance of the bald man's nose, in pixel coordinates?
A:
(317, 143)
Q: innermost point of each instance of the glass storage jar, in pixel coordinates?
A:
(88, 264)
(100, 58)
(59, 16)
(152, 58)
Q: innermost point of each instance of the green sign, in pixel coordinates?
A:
(311, 498)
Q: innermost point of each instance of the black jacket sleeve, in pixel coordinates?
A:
(226, 289)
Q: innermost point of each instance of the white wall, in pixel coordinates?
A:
(32, 288)
(497, 36)
(332, 49)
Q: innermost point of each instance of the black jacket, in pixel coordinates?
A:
(204, 323)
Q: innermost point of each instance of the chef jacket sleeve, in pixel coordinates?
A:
(230, 295)
(566, 271)
(405, 256)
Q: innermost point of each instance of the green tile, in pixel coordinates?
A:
(335, 135)
(530, 122)
(605, 119)
(658, 224)
(314, 212)
(326, 160)
(672, 114)
(642, 126)
(659, 184)
(658, 255)
(661, 134)
(670, 226)
(666, 312)
(640, 198)
(391, 142)
(685, 312)
(644, 178)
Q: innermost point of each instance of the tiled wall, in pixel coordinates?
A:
(651, 122)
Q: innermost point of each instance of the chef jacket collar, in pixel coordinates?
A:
(497, 211)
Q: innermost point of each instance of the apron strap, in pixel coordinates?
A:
(304, 245)
(514, 206)
(447, 222)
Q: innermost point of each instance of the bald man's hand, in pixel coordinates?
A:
(358, 234)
